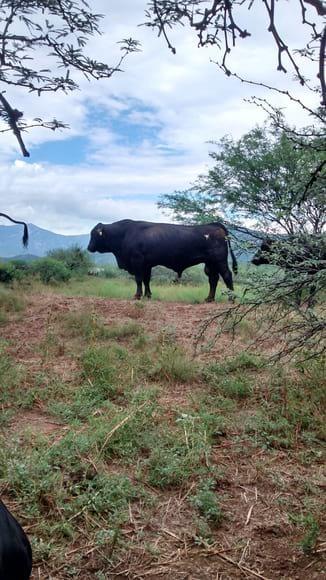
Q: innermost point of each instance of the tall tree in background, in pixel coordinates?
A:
(42, 43)
(259, 177)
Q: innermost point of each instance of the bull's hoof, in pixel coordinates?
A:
(209, 299)
(137, 297)
(148, 296)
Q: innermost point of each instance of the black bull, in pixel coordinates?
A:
(301, 256)
(139, 246)
(15, 549)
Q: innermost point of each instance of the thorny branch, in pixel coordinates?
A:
(270, 300)
(54, 33)
(216, 22)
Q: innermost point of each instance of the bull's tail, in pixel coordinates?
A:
(25, 234)
(234, 260)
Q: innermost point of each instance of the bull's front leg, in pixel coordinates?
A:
(137, 268)
(139, 290)
(147, 279)
(213, 280)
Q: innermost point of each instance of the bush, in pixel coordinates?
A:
(51, 271)
(6, 273)
(75, 259)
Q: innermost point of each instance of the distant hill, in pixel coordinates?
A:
(24, 257)
(41, 241)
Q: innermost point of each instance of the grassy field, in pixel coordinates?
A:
(125, 457)
(124, 288)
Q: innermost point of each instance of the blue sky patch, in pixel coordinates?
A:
(64, 152)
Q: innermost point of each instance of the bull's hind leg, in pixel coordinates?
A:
(213, 277)
(228, 281)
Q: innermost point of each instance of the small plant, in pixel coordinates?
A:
(83, 324)
(124, 330)
(310, 525)
(205, 501)
(236, 388)
(10, 378)
(173, 364)
(276, 432)
(11, 301)
(244, 360)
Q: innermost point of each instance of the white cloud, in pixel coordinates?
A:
(184, 98)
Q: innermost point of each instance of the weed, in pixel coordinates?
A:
(272, 433)
(183, 452)
(310, 525)
(11, 301)
(203, 533)
(11, 376)
(124, 330)
(3, 318)
(172, 364)
(235, 388)
(83, 324)
(243, 360)
(205, 501)
(99, 371)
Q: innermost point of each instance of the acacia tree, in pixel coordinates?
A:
(42, 43)
(260, 176)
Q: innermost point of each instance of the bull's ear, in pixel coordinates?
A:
(99, 229)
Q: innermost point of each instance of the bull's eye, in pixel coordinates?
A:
(100, 233)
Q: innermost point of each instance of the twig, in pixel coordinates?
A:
(249, 514)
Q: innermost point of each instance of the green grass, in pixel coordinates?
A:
(124, 288)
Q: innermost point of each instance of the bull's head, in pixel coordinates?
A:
(98, 241)
(263, 254)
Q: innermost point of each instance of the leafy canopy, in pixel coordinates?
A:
(261, 177)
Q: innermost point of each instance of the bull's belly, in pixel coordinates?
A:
(178, 265)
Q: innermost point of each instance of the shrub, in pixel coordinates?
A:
(6, 273)
(75, 259)
(50, 270)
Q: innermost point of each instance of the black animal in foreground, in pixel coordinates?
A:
(139, 246)
(15, 549)
(303, 256)
(25, 234)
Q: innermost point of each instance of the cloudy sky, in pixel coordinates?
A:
(145, 131)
